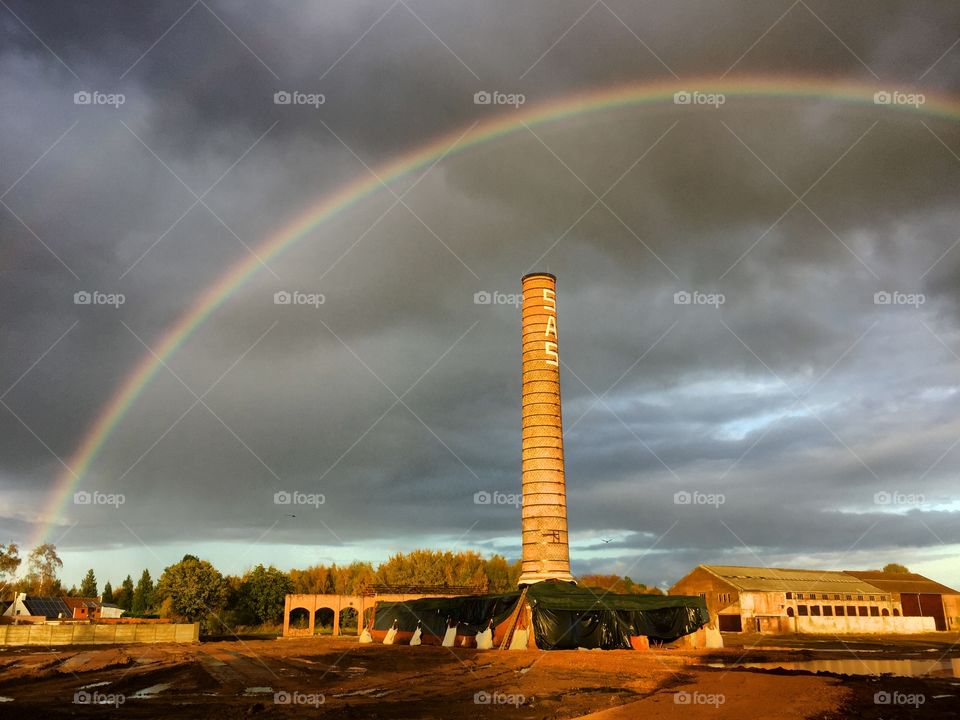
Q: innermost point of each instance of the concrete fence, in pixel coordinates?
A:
(885, 625)
(95, 634)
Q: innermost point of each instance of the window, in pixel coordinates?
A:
(838, 610)
(815, 610)
(824, 596)
(848, 597)
(789, 612)
(828, 610)
(896, 612)
(799, 596)
(789, 596)
(870, 598)
(874, 611)
(860, 598)
(862, 611)
(801, 610)
(836, 596)
(852, 610)
(885, 612)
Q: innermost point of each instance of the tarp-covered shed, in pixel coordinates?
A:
(563, 616)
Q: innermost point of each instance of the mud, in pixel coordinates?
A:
(338, 678)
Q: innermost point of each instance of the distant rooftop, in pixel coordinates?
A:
(758, 579)
(902, 582)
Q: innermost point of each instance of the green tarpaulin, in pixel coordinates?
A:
(564, 615)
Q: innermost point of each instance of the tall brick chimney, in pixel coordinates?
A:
(546, 553)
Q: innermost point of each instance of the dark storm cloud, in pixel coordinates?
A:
(798, 398)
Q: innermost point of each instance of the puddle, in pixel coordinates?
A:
(150, 692)
(864, 666)
(93, 685)
(258, 690)
(371, 692)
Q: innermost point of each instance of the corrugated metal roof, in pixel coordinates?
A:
(756, 579)
(902, 582)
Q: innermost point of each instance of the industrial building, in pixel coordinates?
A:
(917, 596)
(775, 600)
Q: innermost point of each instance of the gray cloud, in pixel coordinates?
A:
(798, 399)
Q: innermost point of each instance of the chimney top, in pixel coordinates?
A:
(539, 274)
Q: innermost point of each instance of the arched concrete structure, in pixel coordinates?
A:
(362, 604)
(313, 603)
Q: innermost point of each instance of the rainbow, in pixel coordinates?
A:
(623, 96)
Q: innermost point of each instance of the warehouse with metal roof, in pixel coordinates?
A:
(773, 600)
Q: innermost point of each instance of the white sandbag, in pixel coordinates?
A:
(485, 639)
(450, 636)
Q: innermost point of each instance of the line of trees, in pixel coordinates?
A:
(194, 590)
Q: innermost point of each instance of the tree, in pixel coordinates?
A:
(315, 580)
(194, 586)
(350, 579)
(617, 585)
(88, 586)
(435, 567)
(9, 562)
(263, 590)
(44, 563)
(502, 576)
(124, 596)
(143, 595)
(895, 568)
(107, 593)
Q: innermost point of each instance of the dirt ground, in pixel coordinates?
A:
(338, 678)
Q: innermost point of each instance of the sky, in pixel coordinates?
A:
(804, 401)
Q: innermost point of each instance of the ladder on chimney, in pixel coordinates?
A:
(508, 636)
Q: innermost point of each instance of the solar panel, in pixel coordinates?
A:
(49, 607)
